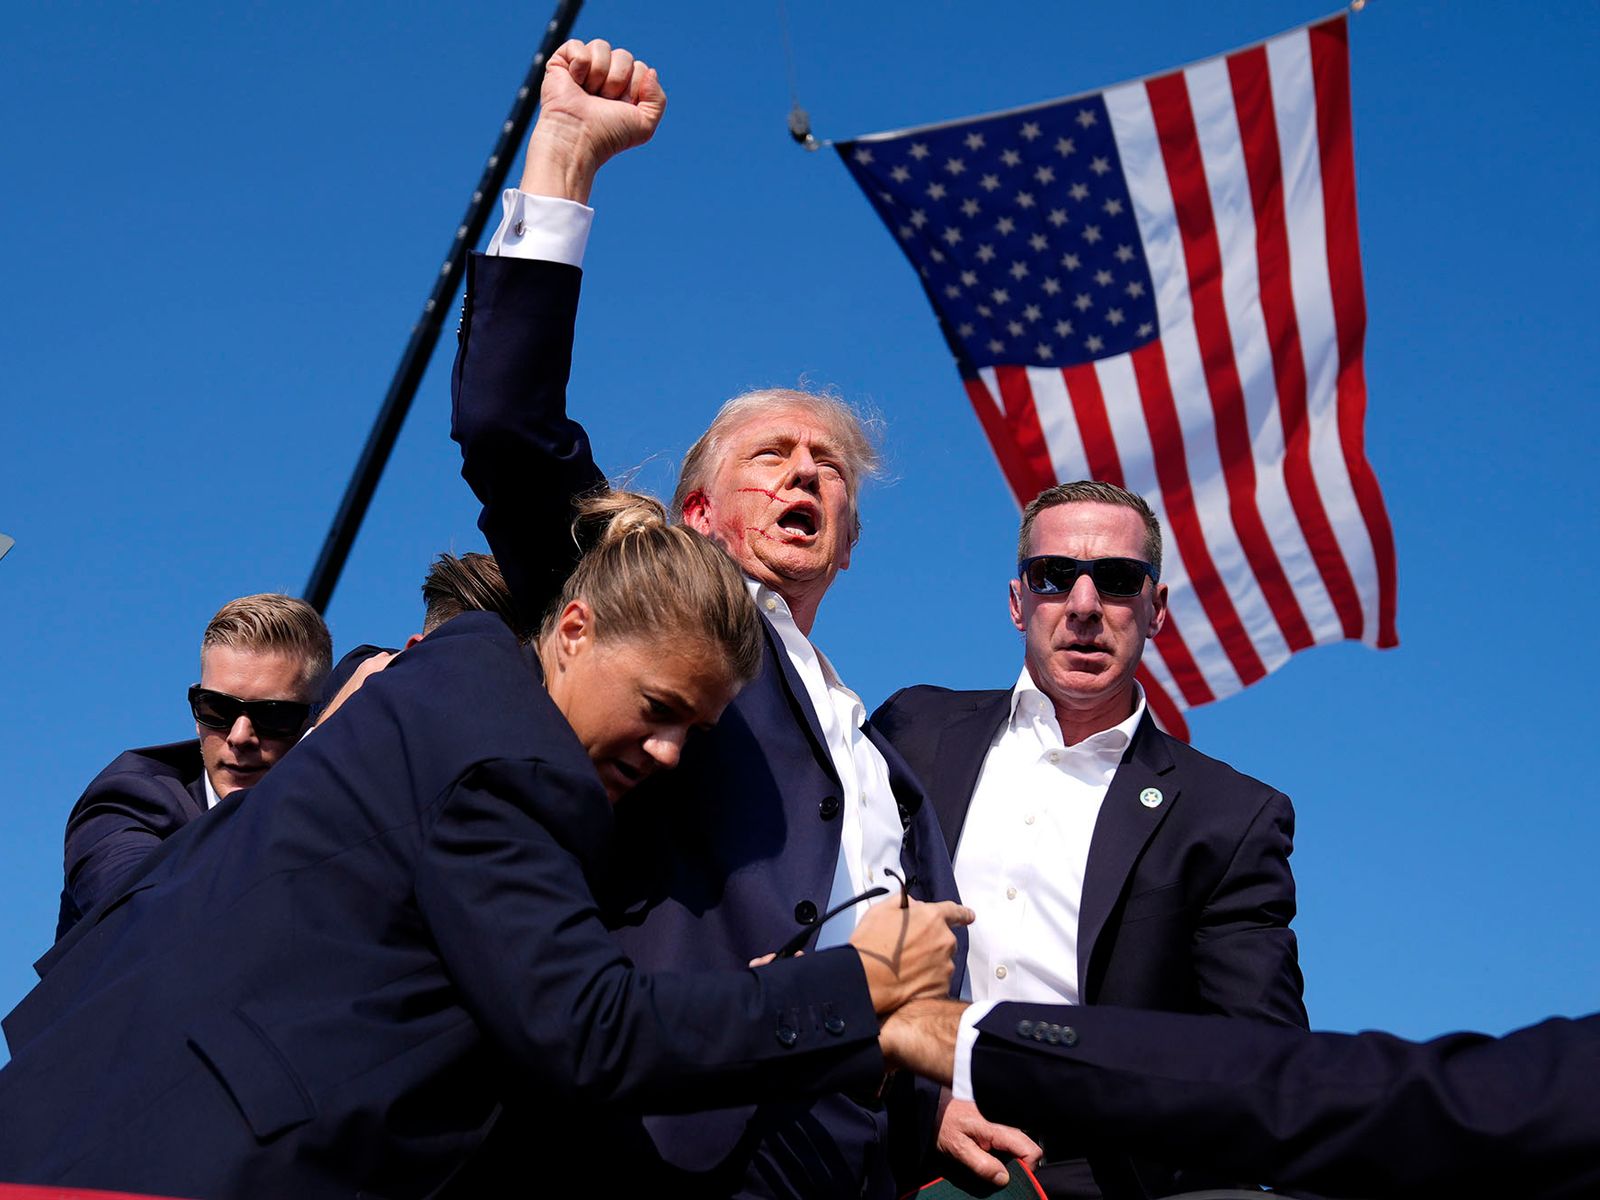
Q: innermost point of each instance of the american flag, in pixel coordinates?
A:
(1159, 285)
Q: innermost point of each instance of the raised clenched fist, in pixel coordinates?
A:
(596, 102)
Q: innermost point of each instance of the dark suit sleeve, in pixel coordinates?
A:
(524, 458)
(519, 931)
(119, 822)
(343, 669)
(1366, 1114)
(1245, 955)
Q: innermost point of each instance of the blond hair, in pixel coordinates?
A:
(642, 576)
(272, 623)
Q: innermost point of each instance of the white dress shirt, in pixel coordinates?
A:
(212, 799)
(870, 834)
(1025, 846)
(1021, 859)
(869, 819)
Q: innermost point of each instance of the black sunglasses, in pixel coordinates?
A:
(271, 718)
(1054, 574)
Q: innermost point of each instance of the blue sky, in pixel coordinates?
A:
(221, 222)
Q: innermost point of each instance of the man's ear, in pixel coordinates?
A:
(1017, 618)
(412, 641)
(697, 512)
(1158, 618)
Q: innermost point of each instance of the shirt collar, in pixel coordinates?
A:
(776, 610)
(212, 799)
(1026, 695)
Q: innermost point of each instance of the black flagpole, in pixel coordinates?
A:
(425, 334)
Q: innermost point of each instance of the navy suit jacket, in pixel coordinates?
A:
(1186, 906)
(126, 812)
(731, 854)
(332, 988)
(1343, 1114)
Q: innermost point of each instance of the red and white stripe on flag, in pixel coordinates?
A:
(1241, 418)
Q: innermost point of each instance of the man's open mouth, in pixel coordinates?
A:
(799, 520)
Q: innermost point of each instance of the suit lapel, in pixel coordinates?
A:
(197, 795)
(799, 698)
(1121, 832)
(959, 761)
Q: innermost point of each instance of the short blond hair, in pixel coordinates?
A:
(272, 623)
(856, 432)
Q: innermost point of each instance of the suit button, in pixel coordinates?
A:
(829, 808)
(1052, 1034)
(1039, 1032)
(1024, 1028)
(1069, 1036)
(834, 1025)
(787, 1035)
(805, 912)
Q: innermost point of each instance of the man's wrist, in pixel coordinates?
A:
(559, 164)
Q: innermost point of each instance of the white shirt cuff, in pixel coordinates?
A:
(542, 227)
(966, 1039)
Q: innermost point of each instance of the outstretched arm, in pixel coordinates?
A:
(1346, 1114)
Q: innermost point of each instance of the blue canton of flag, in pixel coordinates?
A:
(1022, 229)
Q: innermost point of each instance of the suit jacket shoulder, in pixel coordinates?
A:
(913, 719)
(139, 800)
(1225, 778)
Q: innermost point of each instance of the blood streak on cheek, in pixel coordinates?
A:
(773, 496)
(759, 532)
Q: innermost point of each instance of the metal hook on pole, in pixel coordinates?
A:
(800, 128)
(799, 119)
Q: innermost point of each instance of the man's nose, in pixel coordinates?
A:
(241, 732)
(1083, 601)
(803, 470)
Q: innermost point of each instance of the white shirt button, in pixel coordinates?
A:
(1028, 820)
(1054, 756)
(519, 228)
(772, 604)
(1011, 893)
(1000, 971)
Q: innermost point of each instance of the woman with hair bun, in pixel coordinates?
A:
(334, 988)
